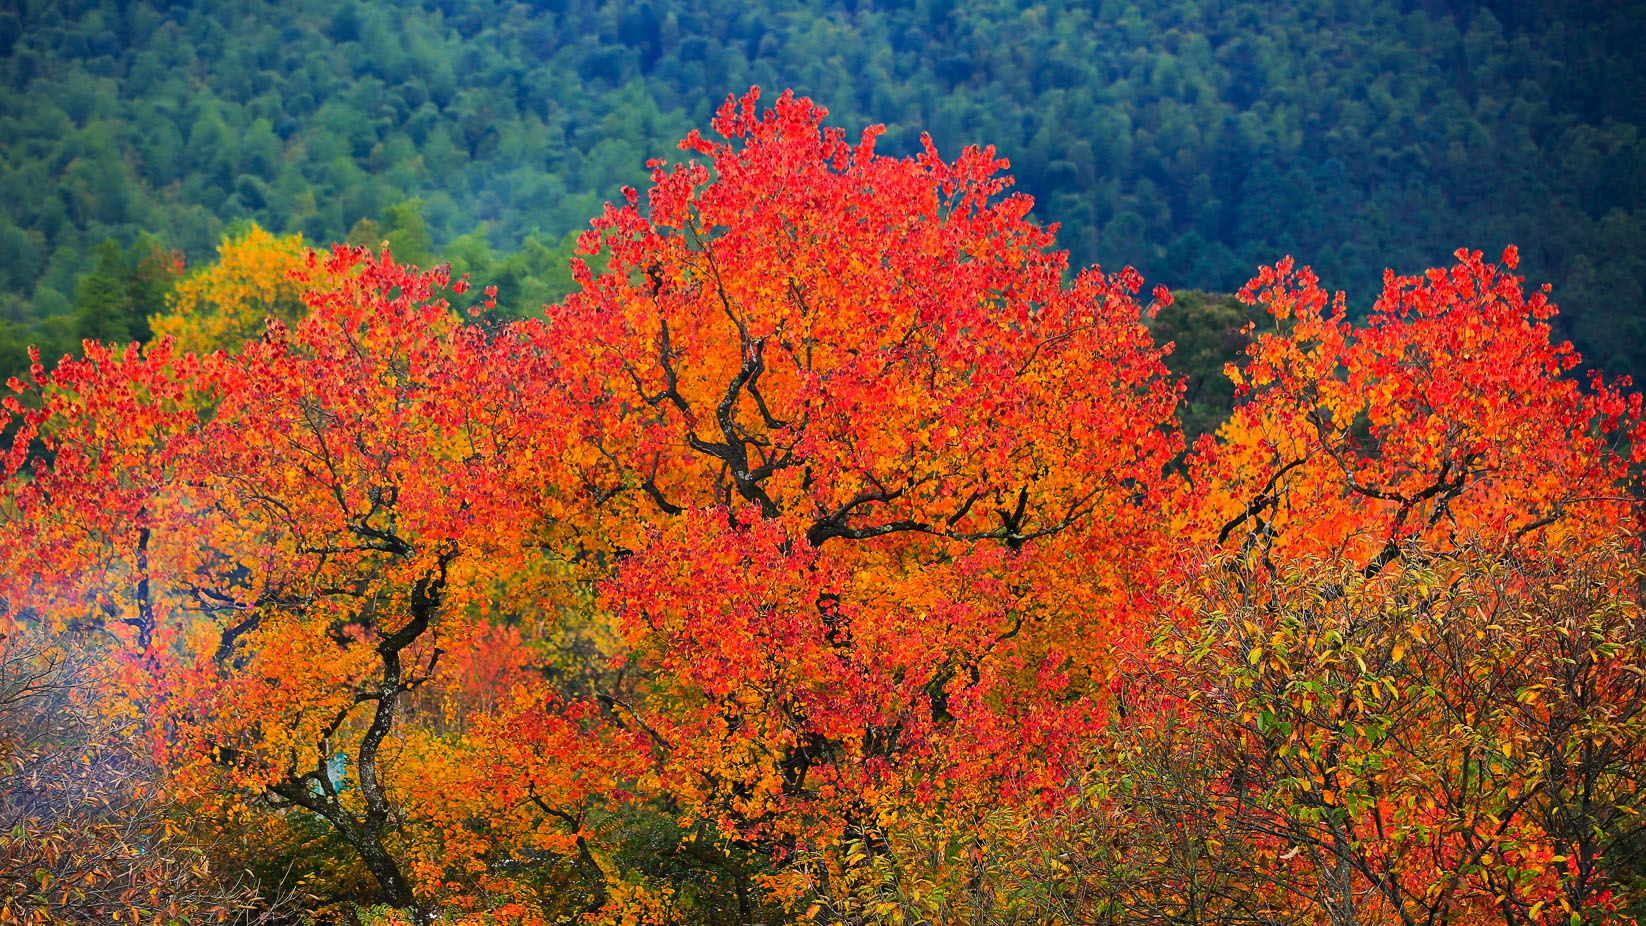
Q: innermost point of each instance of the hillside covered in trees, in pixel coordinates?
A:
(1192, 140)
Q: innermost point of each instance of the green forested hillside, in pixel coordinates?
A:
(1192, 139)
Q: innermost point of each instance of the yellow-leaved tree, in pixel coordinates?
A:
(227, 303)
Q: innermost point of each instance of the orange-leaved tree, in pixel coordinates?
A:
(1402, 659)
(870, 472)
(288, 538)
(1447, 416)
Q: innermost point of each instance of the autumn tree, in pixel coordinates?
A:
(865, 464)
(1398, 638)
(1445, 417)
(227, 303)
(288, 538)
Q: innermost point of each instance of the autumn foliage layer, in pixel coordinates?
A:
(834, 555)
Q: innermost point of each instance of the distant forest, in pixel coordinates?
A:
(1191, 139)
